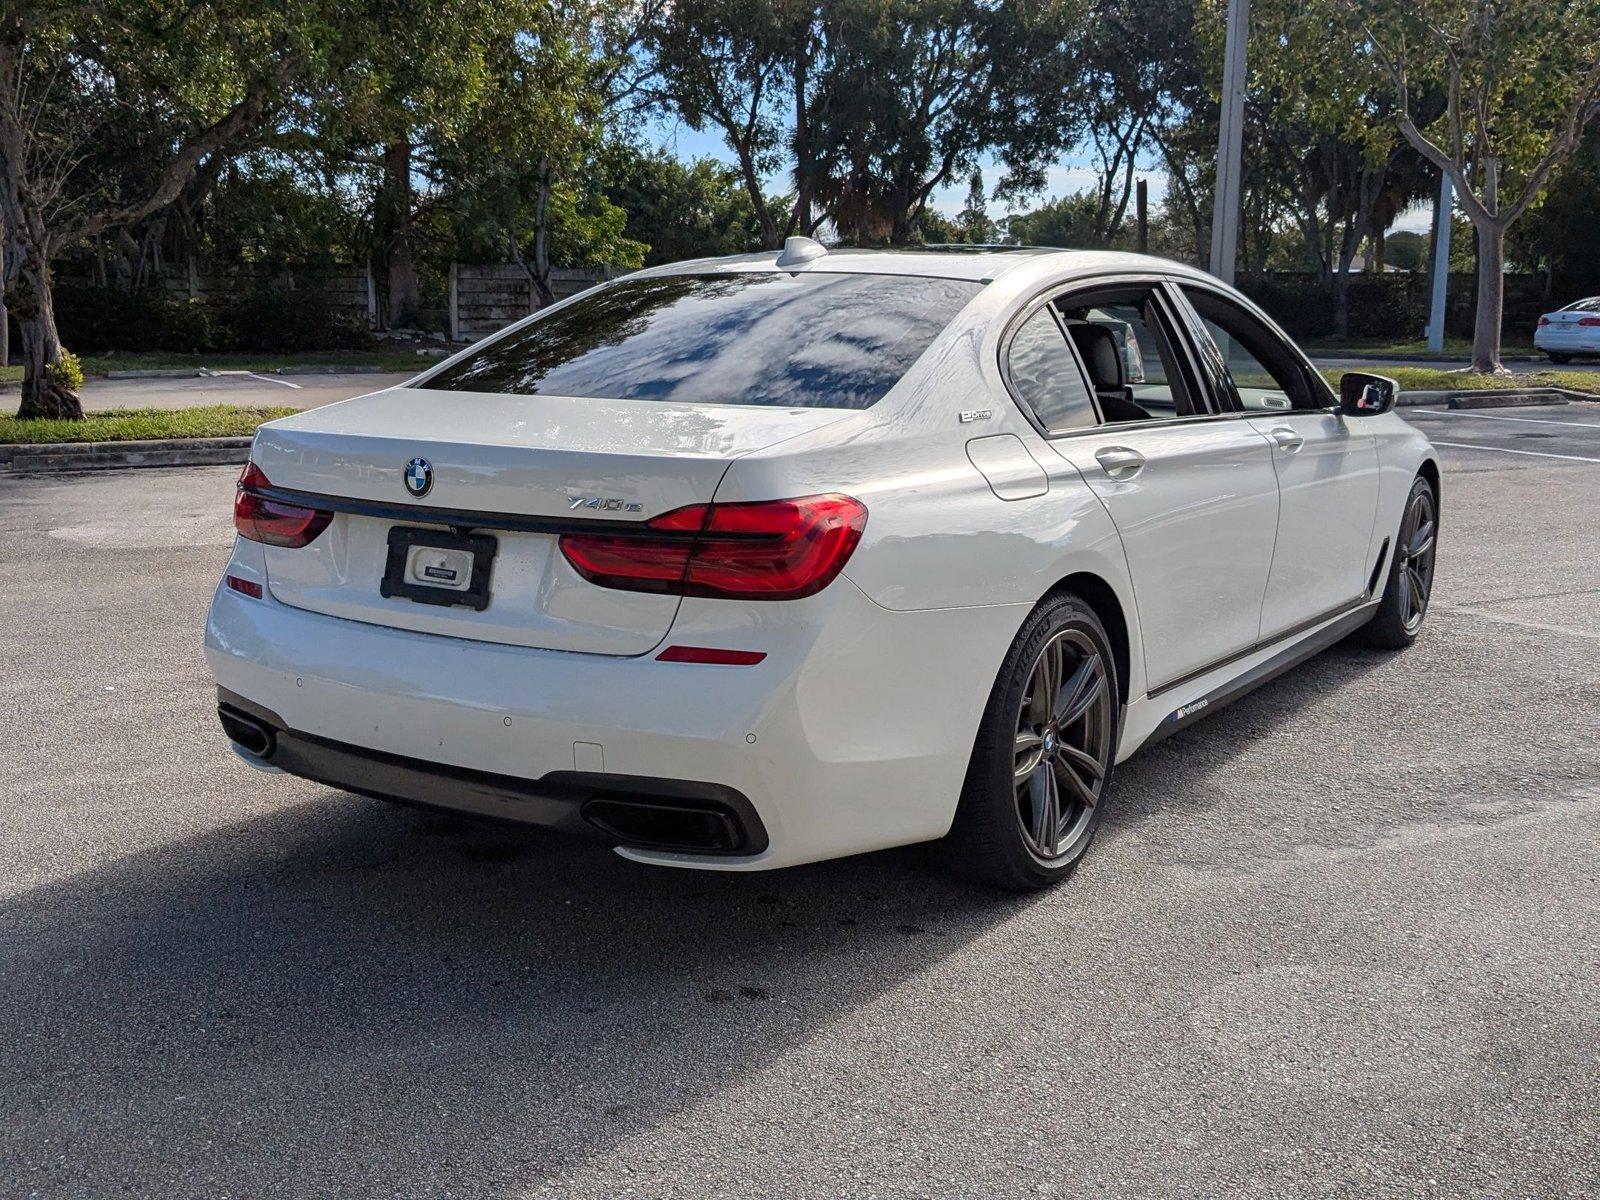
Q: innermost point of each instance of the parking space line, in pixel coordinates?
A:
(1503, 619)
(1526, 420)
(1509, 450)
(270, 379)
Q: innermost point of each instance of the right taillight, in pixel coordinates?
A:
(261, 519)
(1590, 322)
(766, 550)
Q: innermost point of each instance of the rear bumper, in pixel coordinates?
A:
(1574, 341)
(852, 735)
(674, 815)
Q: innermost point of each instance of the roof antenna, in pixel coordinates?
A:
(797, 251)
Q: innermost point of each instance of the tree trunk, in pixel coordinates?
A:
(1491, 299)
(5, 315)
(544, 295)
(42, 394)
(1491, 272)
(405, 289)
(804, 172)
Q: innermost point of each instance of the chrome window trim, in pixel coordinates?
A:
(1176, 318)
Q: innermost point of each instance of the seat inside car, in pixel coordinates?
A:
(1097, 346)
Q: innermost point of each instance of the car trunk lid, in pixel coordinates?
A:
(517, 469)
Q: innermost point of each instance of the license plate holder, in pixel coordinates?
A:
(432, 566)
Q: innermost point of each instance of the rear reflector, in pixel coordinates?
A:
(245, 587)
(766, 550)
(710, 654)
(273, 522)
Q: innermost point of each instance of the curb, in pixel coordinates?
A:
(157, 373)
(1495, 397)
(98, 456)
(366, 369)
(1410, 356)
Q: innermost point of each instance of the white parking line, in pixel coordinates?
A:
(1526, 420)
(1509, 450)
(271, 379)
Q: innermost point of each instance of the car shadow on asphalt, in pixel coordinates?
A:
(1175, 774)
(339, 996)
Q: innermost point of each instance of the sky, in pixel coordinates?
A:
(1070, 174)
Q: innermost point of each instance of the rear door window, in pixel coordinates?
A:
(1045, 375)
(807, 340)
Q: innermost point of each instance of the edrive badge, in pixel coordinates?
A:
(419, 476)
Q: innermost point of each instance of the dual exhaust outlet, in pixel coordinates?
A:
(644, 822)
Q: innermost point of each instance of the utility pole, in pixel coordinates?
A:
(1441, 262)
(1230, 145)
(1142, 208)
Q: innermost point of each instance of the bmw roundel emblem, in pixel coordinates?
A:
(419, 476)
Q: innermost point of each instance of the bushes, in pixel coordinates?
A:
(95, 320)
(1381, 306)
(276, 320)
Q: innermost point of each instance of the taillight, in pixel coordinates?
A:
(1543, 321)
(766, 550)
(1590, 322)
(271, 521)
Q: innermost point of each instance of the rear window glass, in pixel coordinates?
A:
(1585, 305)
(812, 340)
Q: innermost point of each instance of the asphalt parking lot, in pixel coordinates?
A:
(1340, 938)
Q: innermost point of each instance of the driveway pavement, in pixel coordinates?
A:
(296, 391)
(1340, 938)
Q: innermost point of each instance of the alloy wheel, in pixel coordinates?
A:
(1416, 558)
(1063, 744)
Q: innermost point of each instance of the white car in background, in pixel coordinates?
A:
(1570, 331)
(749, 562)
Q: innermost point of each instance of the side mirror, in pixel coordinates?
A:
(1364, 395)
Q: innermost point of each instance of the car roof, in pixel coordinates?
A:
(981, 264)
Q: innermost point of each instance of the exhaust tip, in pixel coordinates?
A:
(658, 825)
(253, 736)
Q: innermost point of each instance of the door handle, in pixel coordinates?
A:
(1119, 462)
(1286, 438)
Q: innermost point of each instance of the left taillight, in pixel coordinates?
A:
(262, 519)
(766, 550)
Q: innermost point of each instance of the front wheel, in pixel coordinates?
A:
(1405, 597)
(1042, 763)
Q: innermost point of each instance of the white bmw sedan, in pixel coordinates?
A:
(755, 561)
(1570, 331)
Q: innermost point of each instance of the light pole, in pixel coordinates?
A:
(1230, 145)
(1441, 262)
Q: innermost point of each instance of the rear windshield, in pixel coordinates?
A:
(812, 340)
(1585, 305)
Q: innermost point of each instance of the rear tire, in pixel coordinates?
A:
(1042, 763)
(1560, 360)
(1410, 584)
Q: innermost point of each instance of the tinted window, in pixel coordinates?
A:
(1046, 376)
(1151, 382)
(811, 340)
(1584, 305)
(1266, 373)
